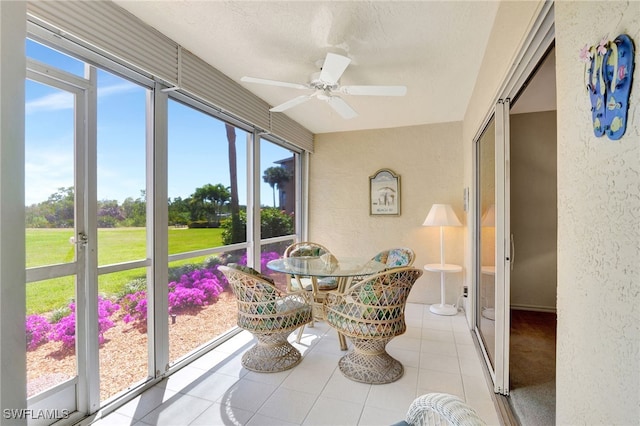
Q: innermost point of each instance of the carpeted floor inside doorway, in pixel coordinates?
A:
(532, 367)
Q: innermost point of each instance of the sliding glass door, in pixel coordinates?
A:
(493, 245)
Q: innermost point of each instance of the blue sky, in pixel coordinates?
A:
(197, 142)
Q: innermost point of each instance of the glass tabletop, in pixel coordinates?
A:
(316, 266)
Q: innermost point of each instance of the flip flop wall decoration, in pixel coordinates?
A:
(608, 78)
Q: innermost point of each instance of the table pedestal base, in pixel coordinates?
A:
(441, 309)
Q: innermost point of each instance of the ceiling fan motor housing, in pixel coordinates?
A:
(316, 83)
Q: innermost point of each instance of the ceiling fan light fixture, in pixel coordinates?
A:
(326, 81)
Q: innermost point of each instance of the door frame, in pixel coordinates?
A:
(81, 393)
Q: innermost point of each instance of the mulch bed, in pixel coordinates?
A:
(123, 356)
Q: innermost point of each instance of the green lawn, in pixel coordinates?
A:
(115, 245)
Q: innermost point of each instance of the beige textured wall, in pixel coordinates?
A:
(533, 210)
(428, 160)
(598, 351)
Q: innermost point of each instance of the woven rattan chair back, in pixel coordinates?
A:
(317, 286)
(396, 257)
(305, 248)
(435, 409)
(370, 314)
(270, 315)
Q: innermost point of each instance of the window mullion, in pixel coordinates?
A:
(157, 235)
(253, 198)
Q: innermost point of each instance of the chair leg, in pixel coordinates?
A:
(300, 331)
(369, 362)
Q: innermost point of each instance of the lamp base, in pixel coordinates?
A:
(441, 309)
(489, 313)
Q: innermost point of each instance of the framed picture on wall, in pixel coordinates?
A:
(384, 193)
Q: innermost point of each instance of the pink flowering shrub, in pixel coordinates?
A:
(189, 288)
(37, 328)
(195, 289)
(65, 329)
(106, 309)
(135, 304)
(264, 259)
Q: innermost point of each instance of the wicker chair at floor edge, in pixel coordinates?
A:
(440, 409)
(370, 314)
(270, 316)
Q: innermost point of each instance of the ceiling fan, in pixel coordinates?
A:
(325, 84)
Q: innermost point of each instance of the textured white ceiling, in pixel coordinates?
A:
(433, 47)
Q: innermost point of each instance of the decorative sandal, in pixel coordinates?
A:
(618, 73)
(596, 87)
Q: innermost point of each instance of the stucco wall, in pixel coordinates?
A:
(598, 350)
(427, 158)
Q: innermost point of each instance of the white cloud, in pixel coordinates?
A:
(116, 89)
(46, 170)
(64, 100)
(54, 102)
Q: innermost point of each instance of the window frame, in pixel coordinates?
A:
(158, 258)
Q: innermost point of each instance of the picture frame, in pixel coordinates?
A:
(384, 193)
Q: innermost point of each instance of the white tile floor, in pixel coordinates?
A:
(437, 352)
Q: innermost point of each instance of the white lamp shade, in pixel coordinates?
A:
(489, 217)
(441, 215)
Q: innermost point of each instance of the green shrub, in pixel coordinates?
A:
(133, 286)
(59, 313)
(273, 223)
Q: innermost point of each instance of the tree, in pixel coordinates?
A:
(273, 223)
(237, 235)
(209, 200)
(179, 211)
(109, 214)
(59, 208)
(275, 177)
(135, 211)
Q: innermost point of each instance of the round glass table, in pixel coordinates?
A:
(343, 269)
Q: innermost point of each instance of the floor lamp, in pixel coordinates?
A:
(442, 215)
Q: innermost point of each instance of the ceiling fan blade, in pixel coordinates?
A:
(273, 83)
(333, 67)
(374, 90)
(342, 108)
(290, 104)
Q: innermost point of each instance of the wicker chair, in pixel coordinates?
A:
(396, 257)
(370, 314)
(270, 316)
(317, 287)
(298, 282)
(441, 409)
(393, 258)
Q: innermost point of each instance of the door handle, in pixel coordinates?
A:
(513, 251)
(81, 241)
